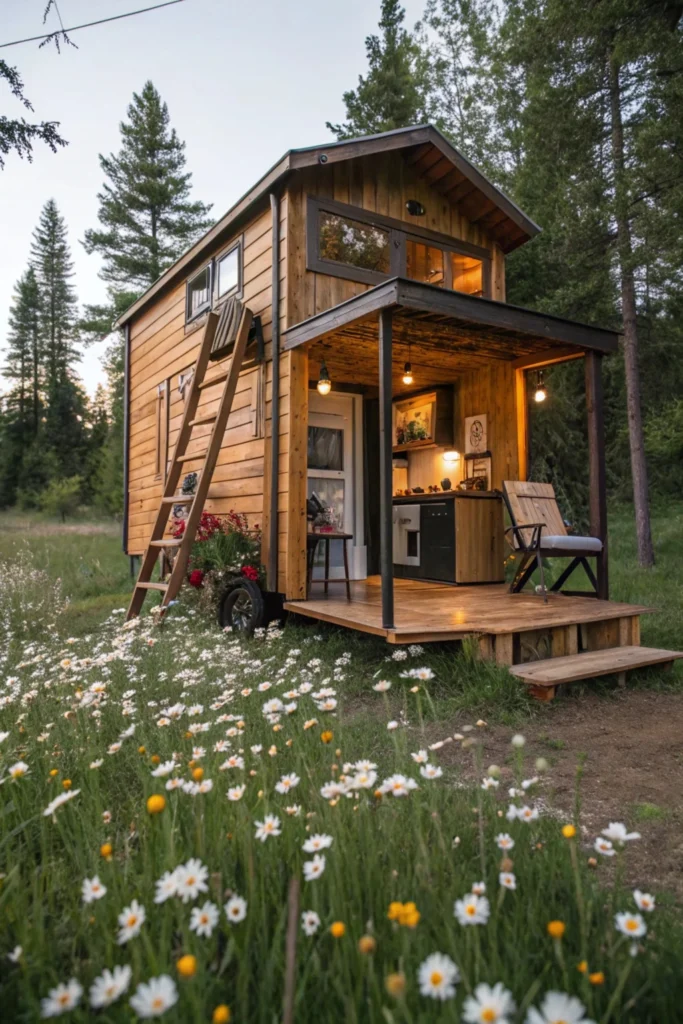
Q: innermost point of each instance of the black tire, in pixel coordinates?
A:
(243, 607)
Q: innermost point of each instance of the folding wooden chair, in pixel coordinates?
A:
(538, 530)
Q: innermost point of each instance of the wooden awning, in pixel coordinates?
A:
(478, 330)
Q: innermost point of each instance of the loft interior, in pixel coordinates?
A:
(389, 401)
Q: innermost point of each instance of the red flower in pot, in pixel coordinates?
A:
(196, 578)
(249, 572)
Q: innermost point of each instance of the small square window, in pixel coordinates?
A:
(228, 272)
(199, 293)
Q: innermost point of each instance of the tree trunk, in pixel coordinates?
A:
(646, 556)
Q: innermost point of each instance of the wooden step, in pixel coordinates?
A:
(219, 379)
(178, 499)
(152, 586)
(168, 542)
(551, 672)
(193, 457)
(203, 419)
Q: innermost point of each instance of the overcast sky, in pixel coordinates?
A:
(244, 82)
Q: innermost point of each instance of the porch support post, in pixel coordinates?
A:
(596, 464)
(385, 466)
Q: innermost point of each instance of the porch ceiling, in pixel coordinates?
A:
(448, 332)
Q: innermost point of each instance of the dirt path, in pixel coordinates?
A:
(633, 772)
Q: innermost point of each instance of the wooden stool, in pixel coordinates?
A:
(311, 547)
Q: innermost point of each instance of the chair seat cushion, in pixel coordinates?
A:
(580, 545)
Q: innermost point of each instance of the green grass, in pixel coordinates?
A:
(428, 847)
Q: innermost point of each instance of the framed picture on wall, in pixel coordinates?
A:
(476, 434)
(414, 421)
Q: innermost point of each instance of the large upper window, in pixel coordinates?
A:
(360, 245)
(353, 243)
(199, 293)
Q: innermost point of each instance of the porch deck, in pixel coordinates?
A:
(504, 622)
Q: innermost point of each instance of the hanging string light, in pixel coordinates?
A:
(541, 392)
(324, 384)
(408, 370)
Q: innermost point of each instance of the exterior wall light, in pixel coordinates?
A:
(324, 384)
(415, 208)
(541, 392)
(450, 456)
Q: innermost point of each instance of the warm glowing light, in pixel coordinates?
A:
(540, 394)
(451, 455)
(324, 384)
(407, 374)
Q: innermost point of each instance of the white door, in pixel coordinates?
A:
(335, 474)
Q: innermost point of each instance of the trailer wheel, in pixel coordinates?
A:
(243, 607)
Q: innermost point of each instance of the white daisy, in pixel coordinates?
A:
(174, 783)
(314, 868)
(236, 793)
(204, 919)
(61, 999)
(438, 976)
(382, 686)
(504, 841)
(421, 757)
(472, 909)
(319, 841)
(154, 997)
(234, 761)
(93, 889)
(632, 925)
(507, 880)
(270, 826)
(643, 900)
(163, 769)
(191, 879)
(310, 922)
(287, 782)
(17, 770)
(489, 1005)
(15, 955)
(398, 785)
(479, 888)
(363, 780)
(558, 1008)
(109, 986)
(59, 801)
(131, 920)
(616, 832)
(431, 771)
(604, 847)
(235, 909)
(489, 783)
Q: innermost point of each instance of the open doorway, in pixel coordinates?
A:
(335, 474)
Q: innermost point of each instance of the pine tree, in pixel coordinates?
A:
(17, 134)
(147, 217)
(51, 260)
(394, 92)
(23, 364)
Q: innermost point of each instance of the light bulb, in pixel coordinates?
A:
(540, 394)
(407, 374)
(451, 456)
(324, 384)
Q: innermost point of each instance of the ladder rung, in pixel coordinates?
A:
(178, 499)
(214, 380)
(152, 586)
(194, 456)
(202, 419)
(174, 543)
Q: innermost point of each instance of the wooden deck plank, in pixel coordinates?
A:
(552, 671)
(439, 612)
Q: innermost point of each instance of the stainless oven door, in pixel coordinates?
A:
(406, 528)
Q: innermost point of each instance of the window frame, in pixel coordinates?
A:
(399, 233)
(190, 317)
(236, 244)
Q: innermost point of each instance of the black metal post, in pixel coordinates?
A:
(596, 465)
(385, 460)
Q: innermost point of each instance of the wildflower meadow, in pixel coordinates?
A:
(204, 827)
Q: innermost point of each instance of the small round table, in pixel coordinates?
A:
(311, 547)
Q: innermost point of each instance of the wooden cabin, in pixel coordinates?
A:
(377, 265)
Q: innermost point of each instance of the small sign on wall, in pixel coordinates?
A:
(476, 434)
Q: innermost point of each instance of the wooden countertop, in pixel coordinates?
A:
(412, 499)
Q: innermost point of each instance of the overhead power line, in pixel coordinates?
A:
(89, 24)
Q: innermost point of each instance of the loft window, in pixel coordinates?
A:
(361, 245)
(353, 243)
(199, 293)
(228, 272)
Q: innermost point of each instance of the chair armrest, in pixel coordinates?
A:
(534, 543)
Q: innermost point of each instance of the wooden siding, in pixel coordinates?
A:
(381, 184)
(162, 347)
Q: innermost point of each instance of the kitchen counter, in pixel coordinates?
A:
(413, 499)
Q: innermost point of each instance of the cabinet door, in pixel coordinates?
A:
(479, 540)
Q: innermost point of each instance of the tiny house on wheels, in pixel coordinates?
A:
(367, 410)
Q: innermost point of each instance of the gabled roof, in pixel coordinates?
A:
(425, 149)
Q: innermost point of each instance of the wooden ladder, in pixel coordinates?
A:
(233, 317)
